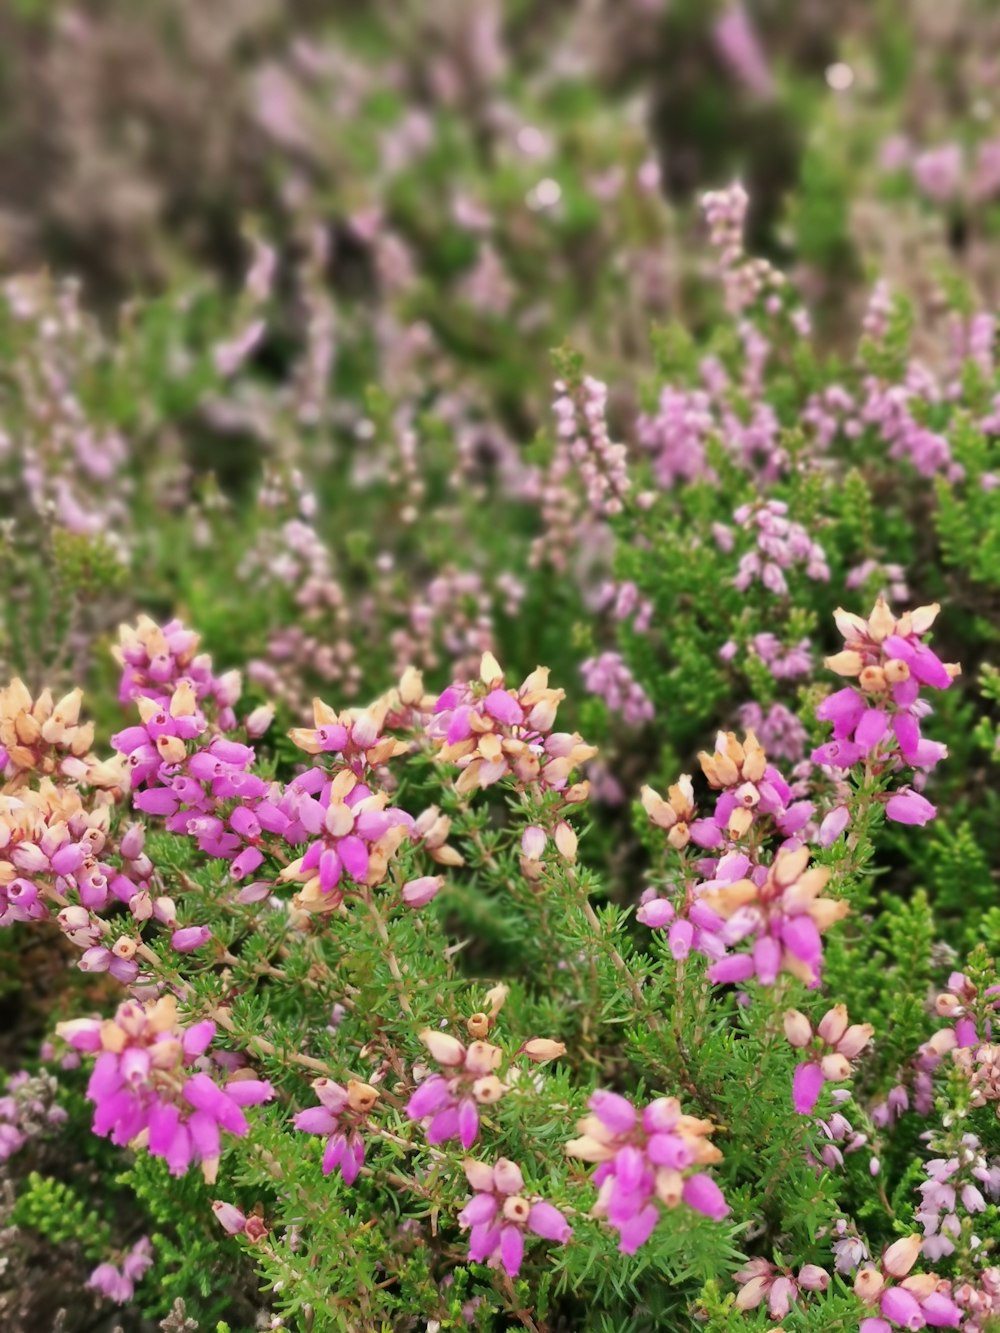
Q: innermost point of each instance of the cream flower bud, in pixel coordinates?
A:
(798, 1029)
(901, 1255)
(881, 622)
(833, 1024)
(444, 1048)
(846, 663)
(835, 1068)
(541, 1049)
(489, 669)
(659, 811)
(259, 720)
(868, 1285)
(496, 998)
(565, 840)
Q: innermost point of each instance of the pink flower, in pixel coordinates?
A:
(182, 1116)
(449, 1102)
(498, 1216)
(806, 1085)
(341, 1115)
(646, 1162)
(909, 807)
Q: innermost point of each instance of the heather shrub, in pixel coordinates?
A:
(498, 718)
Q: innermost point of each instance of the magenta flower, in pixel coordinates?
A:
(909, 807)
(498, 1216)
(118, 1284)
(143, 1087)
(883, 711)
(339, 1117)
(835, 1043)
(449, 1103)
(645, 1163)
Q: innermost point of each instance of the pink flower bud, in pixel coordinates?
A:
(259, 720)
(164, 910)
(855, 1039)
(833, 825)
(909, 808)
(835, 1068)
(833, 1024)
(533, 841)
(813, 1278)
(419, 892)
(189, 938)
(541, 1049)
(230, 1218)
(900, 1307)
(507, 1176)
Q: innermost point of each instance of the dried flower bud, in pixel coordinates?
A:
(478, 1025)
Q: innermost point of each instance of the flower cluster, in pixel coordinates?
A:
(954, 1185)
(646, 1162)
(117, 1282)
(449, 1103)
(780, 545)
(339, 1118)
(878, 719)
(781, 907)
(904, 1299)
(491, 731)
(498, 1215)
(608, 675)
(44, 738)
(151, 1084)
(156, 659)
(345, 833)
(762, 1281)
(351, 832)
(27, 1109)
(829, 1050)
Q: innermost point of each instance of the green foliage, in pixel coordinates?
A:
(57, 1212)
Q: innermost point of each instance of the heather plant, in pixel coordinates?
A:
(491, 836)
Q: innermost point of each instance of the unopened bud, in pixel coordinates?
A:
(565, 840)
(230, 1218)
(835, 1068)
(444, 1048)
(873, 680)
(901, 1255)
(798, 1029)
(833, 1024)
(488, 1089)
(868, 1285)
(361, 1096)
(259, 720)
(846, 663)
(496, 998)
(541, 1049)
